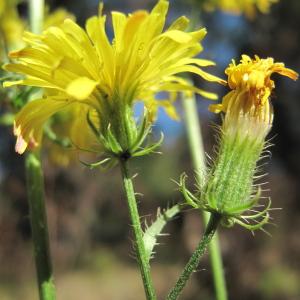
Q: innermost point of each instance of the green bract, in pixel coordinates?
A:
(229, 188)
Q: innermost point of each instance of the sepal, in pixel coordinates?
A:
(136, 138)
(235, 215)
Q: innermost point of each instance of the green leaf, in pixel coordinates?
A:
(149, 149)
(97, 164)
(7, 119)
(112, 142)
(153, 231)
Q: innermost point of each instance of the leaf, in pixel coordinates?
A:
(96, 164)
(149, 149)
(153, 231)
(7, 119)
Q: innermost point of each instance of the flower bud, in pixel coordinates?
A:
(229, 188)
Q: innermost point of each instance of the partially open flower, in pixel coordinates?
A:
(108, 77)
(248, 105)
(229, 188)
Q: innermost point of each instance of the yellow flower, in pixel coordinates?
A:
(248, 7)
(252, 87)
(85, 68)
(11, 27)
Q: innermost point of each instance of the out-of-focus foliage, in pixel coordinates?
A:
(11, 27)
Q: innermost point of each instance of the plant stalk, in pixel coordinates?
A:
(39, 228)
(138, 232)
(193, 263)
(197, 152)
(36, 15)
(35, 191)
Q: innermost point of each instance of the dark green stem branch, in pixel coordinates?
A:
(193, 263)
(39, 228)
(138, 233)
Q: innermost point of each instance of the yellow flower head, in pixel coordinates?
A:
(86, 68)
(252, 87)
(248, 7)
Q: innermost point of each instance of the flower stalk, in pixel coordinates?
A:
(195, 258)
(197, 152)
(39, 228)
(138, 232)
(36, 196)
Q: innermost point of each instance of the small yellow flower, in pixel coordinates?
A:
(86, 68)
(252, 87)
(248, 7)
(11, 27)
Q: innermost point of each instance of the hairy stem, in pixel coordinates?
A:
(138, 232)
(193, 263)
(198, 157)
(39, 228)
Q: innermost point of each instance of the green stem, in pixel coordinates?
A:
(35, 190)
(36, 15)
(195, 258)
(39, 228)
(197, 152)
(138, 232)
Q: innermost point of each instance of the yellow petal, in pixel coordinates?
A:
(7, 84)
(160, 8)
(178, 36)
(195, 70)
(119, 22)
(81, 88)
(287, 72)
(199, 34)
(95, 28)
(81, 134)
(200, 62)
(180, 24)
(169, 108)
(29, 121)
(216, 108)
(178, 87)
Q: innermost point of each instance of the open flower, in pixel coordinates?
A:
(229, 189)
(106, 77)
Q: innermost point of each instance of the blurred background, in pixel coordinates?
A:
(87, 213)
